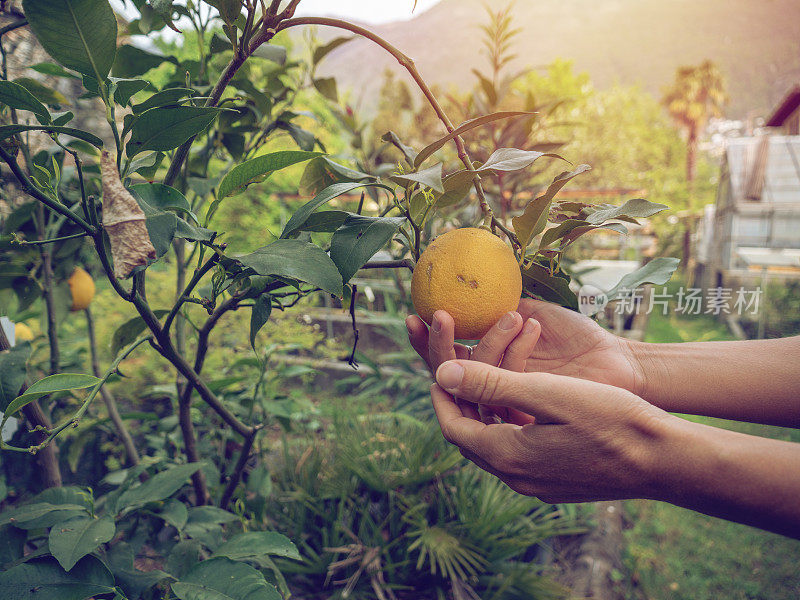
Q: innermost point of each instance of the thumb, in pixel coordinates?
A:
(542, 395)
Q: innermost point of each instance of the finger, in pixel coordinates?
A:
(441, 339)
(550, 398)
(469, 410)
(519, 350)
(493, 345)
(456, 428)
(418, 336)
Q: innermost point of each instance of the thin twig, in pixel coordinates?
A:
(108, 398)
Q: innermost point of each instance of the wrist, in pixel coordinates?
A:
(683, 458)
(637, 355)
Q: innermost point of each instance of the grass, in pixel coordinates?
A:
(676, 554)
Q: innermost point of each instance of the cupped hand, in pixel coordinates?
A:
(508, 344)
(574, 345)
(560, 341)
(590, 441)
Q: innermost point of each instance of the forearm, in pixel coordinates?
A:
(756, 381)
(751, 480)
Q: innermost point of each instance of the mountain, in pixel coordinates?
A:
(756, 43)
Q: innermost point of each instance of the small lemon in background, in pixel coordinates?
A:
(23, 333)
(81, 286)
(470, 273)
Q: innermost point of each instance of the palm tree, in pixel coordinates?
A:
(696, 95)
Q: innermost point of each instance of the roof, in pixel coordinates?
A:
(787, 106)
(781, 173)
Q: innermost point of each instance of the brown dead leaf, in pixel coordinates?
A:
(124, 222)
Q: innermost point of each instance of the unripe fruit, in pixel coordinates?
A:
(81, 286)
(23, 333)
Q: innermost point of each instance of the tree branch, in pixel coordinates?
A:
(409, 65)
(167, 350)
(33, 191)
(238, 471)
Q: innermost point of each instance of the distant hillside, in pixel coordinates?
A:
(756, 42)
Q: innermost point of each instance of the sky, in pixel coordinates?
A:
(368, 11)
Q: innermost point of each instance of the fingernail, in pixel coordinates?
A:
(436, 324)
(508, 321)
(530, 326)
(449, 375)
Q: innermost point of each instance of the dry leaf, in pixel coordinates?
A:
(124, 221)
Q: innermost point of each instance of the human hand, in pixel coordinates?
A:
(590, 441)
(508, 344)
(561, 341)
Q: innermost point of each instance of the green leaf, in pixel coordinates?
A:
(21, 516)
(510, 159)
(322, 172)
(636, 208)
(80, 34)
(408, 152)
(175, 513)
(43, 578)
(297, 260)
(41, 92)
(577, 232)
(456, 187)
(158, 487)
(133, 62)
(534, 219)
(327, 87)
(329, 193)
(430, 177)
(224, 579)
(167, 128)
(64, 118)
(463, 128)
(355, 242)
(658, 271)
(161, 197)
(276, 54)
(124, 89)
(321, 52)
(6, 131)
(258, 543)
(183, 556)
(16, 96)
(12, 372)
(129, 331)
(49, 385)
(260, 315)
(72, 540)
(53, 70)
(229, 10)
(537, 280)
(258, 169)
(163, 98)
(12, 544)
(326, 221)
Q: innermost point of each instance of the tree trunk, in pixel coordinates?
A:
(691, 154)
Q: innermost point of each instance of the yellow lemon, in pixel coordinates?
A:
(23, 333)
(81, 285)
(470, 273)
